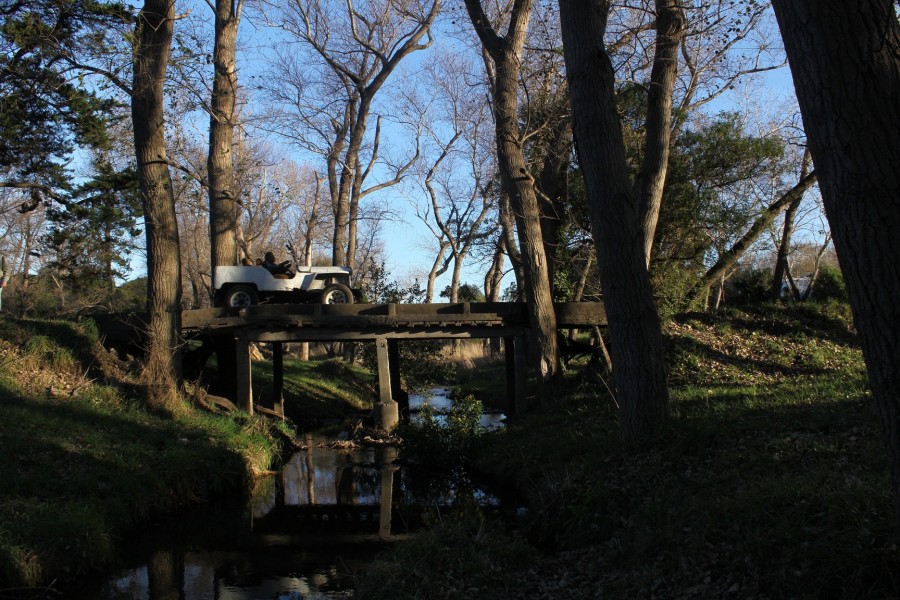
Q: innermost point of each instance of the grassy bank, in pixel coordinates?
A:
(771, 481)
(81, 462)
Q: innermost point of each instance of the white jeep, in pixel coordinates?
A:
(250, 285)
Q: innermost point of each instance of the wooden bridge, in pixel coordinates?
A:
(385, 325)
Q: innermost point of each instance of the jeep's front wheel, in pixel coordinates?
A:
(336, 293)
(240, 296)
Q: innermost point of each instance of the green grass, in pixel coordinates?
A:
(771, 480)
(81, 462)
(318, 393)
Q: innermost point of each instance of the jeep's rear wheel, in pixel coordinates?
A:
(336, 293)
(240, 296)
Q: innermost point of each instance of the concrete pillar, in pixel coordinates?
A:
(386, 411)
(397, 393)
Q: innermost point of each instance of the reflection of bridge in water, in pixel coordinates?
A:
(230, 331)
(322, 490)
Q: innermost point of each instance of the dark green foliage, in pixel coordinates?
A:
(748, 286)
(44, 109)
(829, 285)
(92, 236)
(468, 292)
(708, 201)
(442, 441)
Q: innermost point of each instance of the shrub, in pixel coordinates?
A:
(748, 286)
(829, 285)
(443, 441)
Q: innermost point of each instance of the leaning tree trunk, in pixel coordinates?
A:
(634, 325)
(223, 214)
(153, 38)
(845, 61)
(727, 260)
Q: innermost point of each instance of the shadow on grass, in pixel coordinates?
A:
(77, 474)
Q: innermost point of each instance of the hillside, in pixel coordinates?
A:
(771, 481)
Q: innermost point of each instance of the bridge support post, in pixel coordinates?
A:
(278, 378)
(243, 379)
(387, 413)
(397, 392)
(515, 374)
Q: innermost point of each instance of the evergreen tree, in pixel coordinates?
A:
(45, 107)
(92, 235)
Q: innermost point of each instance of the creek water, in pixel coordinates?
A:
(305, 533)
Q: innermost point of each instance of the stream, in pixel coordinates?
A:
(304, 534)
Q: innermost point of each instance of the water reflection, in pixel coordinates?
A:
(304, 534)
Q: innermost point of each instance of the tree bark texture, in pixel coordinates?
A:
(845, 62)
(153, 42)
(552, 185)
(223, 213)
(634, 325)
(651, 179)
(505, 53)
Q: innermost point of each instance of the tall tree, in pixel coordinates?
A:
(357, 48)
(503, 56)
(153, 39)
(634, 326)
(670, 28)
(845, 62)
(45, 108)
(223, 209)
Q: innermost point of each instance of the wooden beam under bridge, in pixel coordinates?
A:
(384, 324)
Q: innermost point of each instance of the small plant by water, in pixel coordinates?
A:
(442, 440)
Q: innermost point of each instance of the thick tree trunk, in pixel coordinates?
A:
(153, 38)
(634, 326)
(670, 28)
(223, 214)
(506, 53)
(845, 61)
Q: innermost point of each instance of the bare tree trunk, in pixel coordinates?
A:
(634, 326)
(552, 185)
(787, 232)
(153, 36)
(727, 260)
(506, 54)
(494, 277)
(670, 28)
(845, 61)
(223, 214)
(508, 242)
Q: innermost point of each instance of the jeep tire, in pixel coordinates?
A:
(240, 296)
(336, 293)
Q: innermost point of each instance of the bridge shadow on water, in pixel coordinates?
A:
(304, 534)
